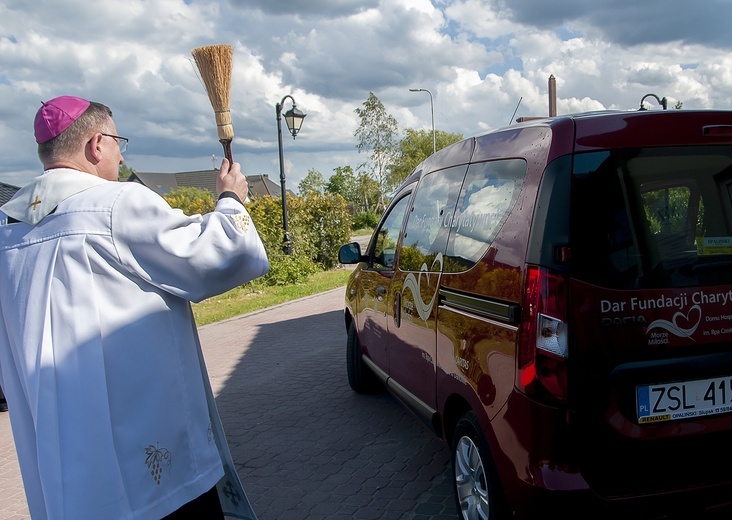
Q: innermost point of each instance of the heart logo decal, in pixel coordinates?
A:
(682, 325)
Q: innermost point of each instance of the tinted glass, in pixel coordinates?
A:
(651, 218)
(387, 235)
(487, 196)
(428, 225)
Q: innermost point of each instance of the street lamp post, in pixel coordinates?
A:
(432, 110)
(293, 119)
(663, 101)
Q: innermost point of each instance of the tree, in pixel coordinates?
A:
(376, 134)
(414, 148)
(125, 172)
(343, 182)
(313, 183)
(367, 190)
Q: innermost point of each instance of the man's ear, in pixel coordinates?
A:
(94, 148)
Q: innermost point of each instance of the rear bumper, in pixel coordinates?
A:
(708, 503)
(537, 456)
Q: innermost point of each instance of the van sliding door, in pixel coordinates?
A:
(415, 288)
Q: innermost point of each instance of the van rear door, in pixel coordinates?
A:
(651, 311)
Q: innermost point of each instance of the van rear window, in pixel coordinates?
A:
(652, 218)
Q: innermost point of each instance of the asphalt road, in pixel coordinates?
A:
(306, 447)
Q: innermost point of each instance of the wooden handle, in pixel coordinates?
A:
(226, 143)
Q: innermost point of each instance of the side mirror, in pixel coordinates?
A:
(350, 253)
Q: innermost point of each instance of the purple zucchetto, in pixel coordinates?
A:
(56, 115)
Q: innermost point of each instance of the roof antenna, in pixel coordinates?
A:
(213, 160)
(514, 112)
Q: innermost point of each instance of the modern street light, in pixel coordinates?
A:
(293, 118)
(432, 110)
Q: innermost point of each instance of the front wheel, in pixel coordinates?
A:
(477, 491)
(361, 379)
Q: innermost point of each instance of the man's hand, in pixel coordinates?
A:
(232, 179)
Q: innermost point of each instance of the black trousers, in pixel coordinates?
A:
(205, 507)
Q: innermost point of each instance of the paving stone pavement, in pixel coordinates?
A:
(306, 447)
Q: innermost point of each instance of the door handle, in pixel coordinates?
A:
(398, 309)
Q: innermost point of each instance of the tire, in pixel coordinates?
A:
(477, 489)
(360, 378)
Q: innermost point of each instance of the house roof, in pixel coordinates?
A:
(163, 183)
(6, 192)
(262, 185)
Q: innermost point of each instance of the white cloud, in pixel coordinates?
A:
(477, 57)
(481, 20)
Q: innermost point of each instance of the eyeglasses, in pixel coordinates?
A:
(121, 141)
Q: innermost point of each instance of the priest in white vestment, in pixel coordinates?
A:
(110, 403)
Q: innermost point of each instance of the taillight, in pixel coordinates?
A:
(542, 355)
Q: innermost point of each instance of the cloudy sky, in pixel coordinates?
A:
(481, 59)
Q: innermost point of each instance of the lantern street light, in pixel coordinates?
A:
(432, 110)
(293, 118)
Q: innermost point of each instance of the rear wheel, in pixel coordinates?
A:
(477, 491)
(361, 379)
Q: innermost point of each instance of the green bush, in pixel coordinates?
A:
(365, 220)
(193, 201)
(266, 212)
(318, 225)
(289, 269)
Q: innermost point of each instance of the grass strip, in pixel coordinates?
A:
(253, 297)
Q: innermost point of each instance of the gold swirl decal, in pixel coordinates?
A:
(413, 283)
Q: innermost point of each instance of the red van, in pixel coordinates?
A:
(554, 300)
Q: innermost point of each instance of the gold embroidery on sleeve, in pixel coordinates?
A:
(241, 221)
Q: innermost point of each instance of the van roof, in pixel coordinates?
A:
(585, 132)
(604, 129)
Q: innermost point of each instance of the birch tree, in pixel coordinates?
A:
(377, 136)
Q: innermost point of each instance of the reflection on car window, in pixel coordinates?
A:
(674, 215)
(488, 194)
(647, 218)
(387, 235)
(428, 224)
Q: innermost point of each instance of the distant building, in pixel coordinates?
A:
(6, 192)
(163, 183)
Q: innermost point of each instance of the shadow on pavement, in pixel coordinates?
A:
(307, 447)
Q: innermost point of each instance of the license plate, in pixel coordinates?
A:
(684, 400)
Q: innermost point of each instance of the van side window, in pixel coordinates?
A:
(428, 223)
(487, 197)
(386, 237)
